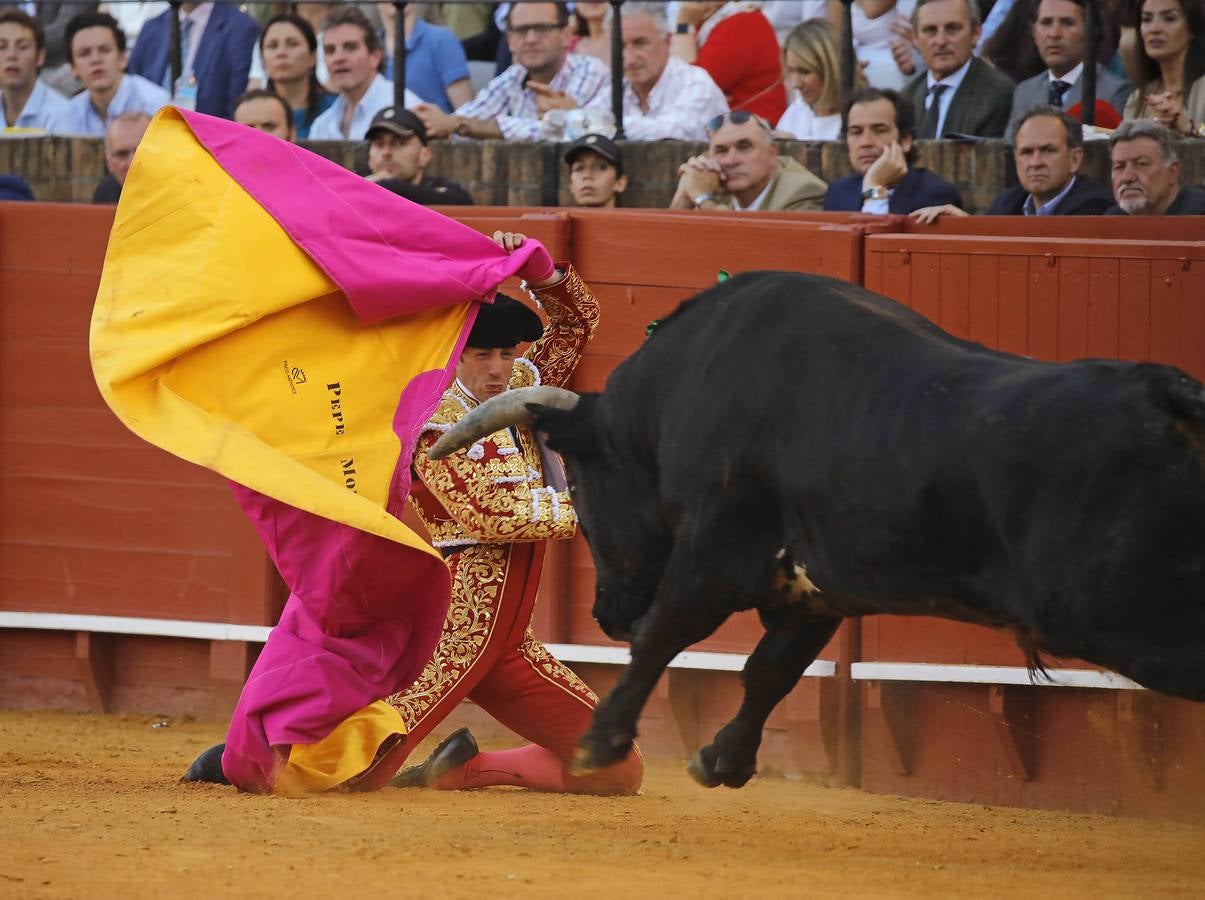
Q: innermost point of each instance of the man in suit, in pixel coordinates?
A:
(1146, 173)
(1049, 151)
(1058, 32)
(216, 43)
(879, 130)
(742, 171)
(960, 94)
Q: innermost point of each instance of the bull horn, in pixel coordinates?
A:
(508, 408)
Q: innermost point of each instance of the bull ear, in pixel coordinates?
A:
(570, 432)
(1187, 398)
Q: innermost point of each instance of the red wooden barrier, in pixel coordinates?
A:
(94, 521)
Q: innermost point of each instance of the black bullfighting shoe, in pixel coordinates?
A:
(208, 767)
(454, 750)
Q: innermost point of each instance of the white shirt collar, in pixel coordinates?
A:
(954, 79)
(758, 201)
(1070, 78)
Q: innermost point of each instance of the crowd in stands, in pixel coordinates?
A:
(738, 74)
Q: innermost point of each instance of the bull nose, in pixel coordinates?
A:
(614, 630)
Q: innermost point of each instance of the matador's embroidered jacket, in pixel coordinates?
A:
(495, 492)
(490, 509)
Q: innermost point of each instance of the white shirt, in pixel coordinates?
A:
(800, 121)
(952, 81)
(46, 109)
(132, 16)
(199, 18)
(680, 105)
(329, 125)
(757, 201)
(134, 94)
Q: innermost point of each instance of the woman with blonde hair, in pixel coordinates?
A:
(812, 70)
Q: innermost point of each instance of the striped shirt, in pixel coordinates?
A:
(506, 100)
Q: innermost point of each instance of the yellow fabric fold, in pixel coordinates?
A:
(215, 337)
(343, 754)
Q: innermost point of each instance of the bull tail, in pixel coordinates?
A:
(1028, 643)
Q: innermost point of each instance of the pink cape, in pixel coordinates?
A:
(364, 613)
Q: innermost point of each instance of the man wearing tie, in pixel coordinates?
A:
(960, 94)
(216, 43)
(1058, 32)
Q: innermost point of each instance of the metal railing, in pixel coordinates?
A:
(848, 58)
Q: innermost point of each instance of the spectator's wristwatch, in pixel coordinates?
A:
(878, 192)
(701, 199)
(462, 127)
(683, 28)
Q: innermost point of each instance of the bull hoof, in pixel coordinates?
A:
(594, 753)
(707, 770)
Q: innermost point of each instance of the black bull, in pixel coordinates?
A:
(799, 446)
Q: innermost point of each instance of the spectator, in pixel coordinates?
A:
(25, 101)
(742, 171)
(468, 19)
(15, 187)
(545, 76)
(737, 47)
(265, 110)
(122, 138)
(1058, 32)
(353, 55)
(883, 41)
(784, 15)
(314, 15)
(879, 132)
(810, 61)
(398, 156)
(596, 176)
(53, 17)
(289, 49)
(216, 41)
(592, 23)
(436, 68)
(1171, 66)
(1146, 173)
(1049, 151)
(1010, 48)
(960, 94)
(97, 49)
(663, 97)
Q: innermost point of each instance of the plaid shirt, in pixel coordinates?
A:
(513, 106)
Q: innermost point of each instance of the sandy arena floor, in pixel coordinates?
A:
(90, 807)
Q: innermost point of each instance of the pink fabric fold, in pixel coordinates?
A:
(388, 255)
(364, 613)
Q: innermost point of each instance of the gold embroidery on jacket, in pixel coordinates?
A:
(554, 669)
(478, 577)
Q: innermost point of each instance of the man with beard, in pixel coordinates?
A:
(1146, 173)
(398, 157)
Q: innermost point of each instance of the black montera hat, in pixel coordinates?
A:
(596, 143)
(504, 323)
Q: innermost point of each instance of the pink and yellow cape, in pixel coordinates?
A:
(269, 315)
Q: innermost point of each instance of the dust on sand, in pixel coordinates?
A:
(90, 806)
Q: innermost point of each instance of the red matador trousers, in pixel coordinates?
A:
(488, 654)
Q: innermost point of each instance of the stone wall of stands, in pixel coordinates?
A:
(132, 582)
(497, 173)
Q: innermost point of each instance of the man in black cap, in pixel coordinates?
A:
(398, 155)
(596, 176)
(489, 510)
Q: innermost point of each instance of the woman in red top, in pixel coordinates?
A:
(737, 46)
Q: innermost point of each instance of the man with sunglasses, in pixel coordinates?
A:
(742, 171)
(545, 76)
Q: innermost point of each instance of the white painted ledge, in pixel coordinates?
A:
(955, 674)
(687, 659)
(222, 631)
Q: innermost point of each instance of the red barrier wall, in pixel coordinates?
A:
(93, 521)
